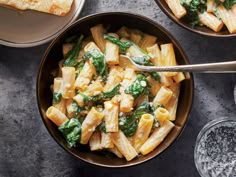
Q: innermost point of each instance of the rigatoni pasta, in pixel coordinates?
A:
(101, 101)
(212, 13)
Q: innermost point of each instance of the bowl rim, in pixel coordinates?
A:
(178, 22)
(141, 17)
(204, 130)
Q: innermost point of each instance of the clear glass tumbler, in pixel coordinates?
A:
(215, 149)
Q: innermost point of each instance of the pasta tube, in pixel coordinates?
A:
(210, 21)
(106, 141)
(166, 81)
(124, 32)
(125, 63)
(143, 131)
(112, 52)
(97, 33)
(111, 116)
(115, 151)
(126, 103)
(168, 57)
(179, 77)
(95, 141)
(178, 10)
(156, 137)
(136, 36)
(91, 46)
(211, 5)
(127, 100)
(56, 116)
(172, 105)
(68, 76)
(155, 53)
(85, 76)
(115, 76)
(91, 121)
(162, 115)
(95, 88)
(57, 89)
(147, 41)
(123, 145)
(163, 96)
(228, 17)
(155, 85)
(69, 108)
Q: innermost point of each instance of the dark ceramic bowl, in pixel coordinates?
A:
(54, 54)
(203, 30)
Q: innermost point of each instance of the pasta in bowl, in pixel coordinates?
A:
(99, 108)
(208, 17)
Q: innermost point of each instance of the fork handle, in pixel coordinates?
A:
(220, 67)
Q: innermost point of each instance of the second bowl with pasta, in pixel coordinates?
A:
(97, 106)
(207, 17)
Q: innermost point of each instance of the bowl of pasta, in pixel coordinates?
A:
(97, 106)
(207, 17)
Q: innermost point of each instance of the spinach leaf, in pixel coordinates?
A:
(142, 61)
(73, 54)
(145, 60)
(98, 61)
(104, 96)
(155, 123)
(102, 127)
(85, 97)
(57, 97)
(78, 67)
(128, 124)
(113, 92)
(228, 4)
(193, 7)
(71, 130)
(156, 76)
(138, 87)
(76, 108)
(145, 107)
(123, 45)
(159, 106)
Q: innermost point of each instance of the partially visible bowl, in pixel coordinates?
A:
(203, 30)
(116, 20)
(31, 28)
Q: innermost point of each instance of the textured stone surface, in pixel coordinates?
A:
(27, 149)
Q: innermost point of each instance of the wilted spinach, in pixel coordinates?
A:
(76, 108)
(128, 124)
(138, 87)
(78, 67)
(98, 61)
(102, 127)
(71, 130)
(111, 93)
(123, 45)
(103, 96)
(193, 7)
(71, 57)
(57, 97)
(145, 60)
(228, 4)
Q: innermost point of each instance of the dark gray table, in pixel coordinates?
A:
(27, 149)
